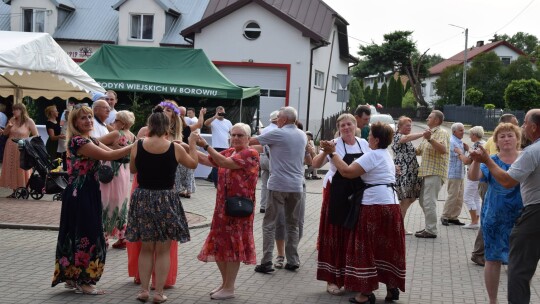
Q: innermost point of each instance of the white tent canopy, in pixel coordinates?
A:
(34, 65)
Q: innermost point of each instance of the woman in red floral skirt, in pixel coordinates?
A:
(376, 246)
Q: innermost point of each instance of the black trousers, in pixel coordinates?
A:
(524, 254)
(214, 169)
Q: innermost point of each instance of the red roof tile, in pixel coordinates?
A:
(471, 53)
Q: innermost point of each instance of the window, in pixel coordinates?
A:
(33, 20)
(252, 30)
(142, 27)
(432, 89)
(423, 89)
(319, 80)
(506, 60)
(335, 84)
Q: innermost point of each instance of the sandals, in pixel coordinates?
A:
(143, 295)
(159, 297)
(333, 289)
(93, 292)
(280, 262)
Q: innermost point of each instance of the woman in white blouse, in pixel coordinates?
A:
(376, 247)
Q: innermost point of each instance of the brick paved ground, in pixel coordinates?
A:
(438, 270)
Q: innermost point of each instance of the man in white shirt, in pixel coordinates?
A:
(220, 127)
(101, 111)
(111, 99)
(191, 119)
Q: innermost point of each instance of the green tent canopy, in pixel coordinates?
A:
(162, 70)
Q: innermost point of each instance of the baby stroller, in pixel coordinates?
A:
(42, 180)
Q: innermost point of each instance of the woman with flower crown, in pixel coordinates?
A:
(81, 251)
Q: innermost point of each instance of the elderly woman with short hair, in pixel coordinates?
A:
(408, 184)
(230, 240)
(115, 194)
(471, 194)
(376, 248)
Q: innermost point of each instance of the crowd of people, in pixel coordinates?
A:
(129, 187)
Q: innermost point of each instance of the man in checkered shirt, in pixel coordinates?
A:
(433, 169)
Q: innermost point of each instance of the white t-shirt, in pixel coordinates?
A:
(340, 150)
(269, 128)
(380, 169)
(191, 121)
(111, 118)
(220, 133)
(99, 130)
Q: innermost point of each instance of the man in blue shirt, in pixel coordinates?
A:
(456, 173)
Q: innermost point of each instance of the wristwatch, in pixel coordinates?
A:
(331, 155)
(206, 147)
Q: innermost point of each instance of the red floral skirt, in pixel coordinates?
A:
(376, 250)
(332, 245)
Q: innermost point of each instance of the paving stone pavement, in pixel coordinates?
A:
(438, 270)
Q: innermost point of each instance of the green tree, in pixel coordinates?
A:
(367, 94)
(383, 94)
(448, 85)
(390, 95)
(374, 93)
(398, 53)
(408, 101)
(519, 69)
(525, 42)
(473, 96)
(522, 94)
(485, 75)
(356, 93)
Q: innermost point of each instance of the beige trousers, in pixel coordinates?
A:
(454, 200)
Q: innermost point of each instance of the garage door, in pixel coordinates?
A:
(272, 81)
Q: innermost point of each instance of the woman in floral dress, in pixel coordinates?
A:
(19, 126)
(408, 184)
(115, 195)
(80, 251)
(230, 240)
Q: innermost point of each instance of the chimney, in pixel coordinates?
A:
(480, 43)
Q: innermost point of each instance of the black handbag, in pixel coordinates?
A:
(105, 174)
(237, 206)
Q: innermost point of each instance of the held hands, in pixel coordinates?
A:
(427, 134)
(328, 146)
(479, 155)
(193, 138)
(200, 141)
(458, 151)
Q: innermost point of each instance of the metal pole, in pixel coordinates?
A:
(464, 88)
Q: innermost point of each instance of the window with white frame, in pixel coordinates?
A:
(142, 27)
(319, 80)
(506, 60)
(33, 20)
(432, 89)
(423, 89)
(335, 84)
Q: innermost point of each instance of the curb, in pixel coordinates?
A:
(203, 224)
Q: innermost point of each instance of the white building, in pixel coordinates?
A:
(293, 50)
(506, 52)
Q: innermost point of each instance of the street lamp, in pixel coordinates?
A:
(464, 87)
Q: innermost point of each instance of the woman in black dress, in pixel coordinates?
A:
(53, 130)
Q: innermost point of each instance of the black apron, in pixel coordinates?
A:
(339, 206)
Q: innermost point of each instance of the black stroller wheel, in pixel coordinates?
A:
(22, 192)
(57, 197)
(36, 195)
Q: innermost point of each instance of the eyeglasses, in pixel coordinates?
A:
(238, 135)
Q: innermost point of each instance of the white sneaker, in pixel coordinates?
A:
(471, 226)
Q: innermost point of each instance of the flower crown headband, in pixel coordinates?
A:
(171, 106)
